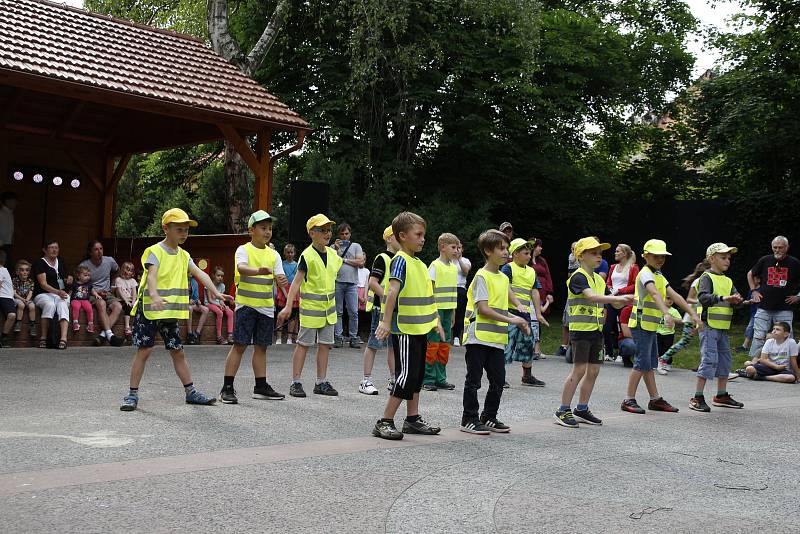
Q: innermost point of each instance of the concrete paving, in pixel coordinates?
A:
(71, 461)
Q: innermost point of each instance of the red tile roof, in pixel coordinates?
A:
(42, 38)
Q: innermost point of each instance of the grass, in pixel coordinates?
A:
(686, 359)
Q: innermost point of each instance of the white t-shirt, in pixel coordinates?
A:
(6, 285)
(462, 278)
(779, 353)
(363, 276)
(619, 278)
(277, 268)
(126, 288)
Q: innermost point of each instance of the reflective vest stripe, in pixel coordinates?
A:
(167, 306)
(486, 329)
(416, 308)
(494, 328)
(320, 298)
(720, 314)
(317, 290)
(318, 313)
(256, 280)
(585, 315)
(255, 294)
(171, 285)
(256, 291)
(645, 312)
(416, 319)
(173, 292)
(415, 301)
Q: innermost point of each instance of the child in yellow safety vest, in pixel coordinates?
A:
(587, 292)
(486, 322)
(162, 301)
(444, 275)
(717, 296)
(409, 314)
(649, 307)
(258, 269)
(315, 281)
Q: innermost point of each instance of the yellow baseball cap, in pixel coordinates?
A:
(716, 248)
(176, 215)
(657, 247)
(519, 243)
(388, 232)
(317, 221)
(588, 243)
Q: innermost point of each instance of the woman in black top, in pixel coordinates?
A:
(49, 292)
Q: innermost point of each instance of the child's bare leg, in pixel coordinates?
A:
(369, 360)
(259, 361)
(650, 383)
(137, 367)
(298, 361)
(700, 385)
(722, 383)
(390, 361)
(571, 383)
(11, 318)
(633, 382)
(322, 360)
(786, 379)
(391, 407)
(181, 366)
(31, 312)
(587, 384)
(234, 359)
(412, 406)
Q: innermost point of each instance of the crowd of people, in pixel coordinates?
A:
(417, 312)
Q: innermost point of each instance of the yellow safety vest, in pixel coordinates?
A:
(522, 281)
(171, 285)
(445, 292)
(416, 309)
(646, 305)
(719, 315)
(387, 261)
(318, 288)
(486, 329)
(256, 291)
(584, 315)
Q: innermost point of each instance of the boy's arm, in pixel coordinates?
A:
(512, 298)
(156, 302)
(626, 330)
(385, 326)
(376, 288)
(793, 364)
(619, 300)
(203, 278)
(294, 289)
(486, 311)
(247, 270)
(537, 306)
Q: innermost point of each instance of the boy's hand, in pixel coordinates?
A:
(440, 331)
(382, 331)
(284, 313)
(733, 299)
(157, 303)
(669, 322)
(542, 320)
(624, 300)
(519, 322)
(698, 324)
(521, 308)
(282, 280)
(264, 270)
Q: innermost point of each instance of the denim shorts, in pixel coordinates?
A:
(715, 353)
(646, 358)
(373, 342)
(144, 332)
(251, 327)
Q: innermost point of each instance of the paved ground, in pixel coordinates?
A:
(71, 461)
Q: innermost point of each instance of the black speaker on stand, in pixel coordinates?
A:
(306, 199)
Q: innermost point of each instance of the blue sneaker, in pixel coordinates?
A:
(195, 397)
(129, 403)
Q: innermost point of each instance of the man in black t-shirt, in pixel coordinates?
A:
(779, 274)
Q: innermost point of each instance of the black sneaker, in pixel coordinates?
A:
(698, 404)
(17, 327)
(494, 425)
(532, 381)
(506, 385)
(475, 427)
(429, 387)
(445, 385)
(99, 341)
(296, 390)
(228, 395)
(741, 372)
(565, 418)
(562, 351)
(338, 343)
(586, 416)
(420, 426)
(631, 406)
(325, 388)
(116, 341)
(726, 401)
(386, 430)
(355, 343)
(267, 393)
(660, 405)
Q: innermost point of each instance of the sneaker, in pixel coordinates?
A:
(506, 385)
(17, 327)
(389, 384)
(32, 330)
(296, 390)
(475, 427)
(536, 356)
(726, 401)
(99, 341)
(445, 385)
(228, 395)
(618, 359)
(355, 343)
(429, 387)
(733, 376)
(698, 404)
(494, 425)
(267, 393)
(420, 426)
(562, 351)
(75, 326)
(668, 366)
(456, 342)
(662, 367)
(660, 405)
(586, 416)
(116, 341)
(325, 388)
(195, 397)
(290, 342)
(367, 388)
(90, 328)
(278, 342)
(608, 358)
(631, 406)
(532, 381)
(741, 373)
(386, 430)
(229, 340)
(338, 343)
(129, 403)
(565, 418)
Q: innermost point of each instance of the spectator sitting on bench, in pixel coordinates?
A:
(778, 360)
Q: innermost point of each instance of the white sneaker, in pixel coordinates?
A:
(289, 342)
(732, 376)
(278, 342)
(456, 342)
(609, 358)
(668, 367)
(662, 370)
(367, 388)
(618, 360)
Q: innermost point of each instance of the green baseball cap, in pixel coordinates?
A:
(257, 217)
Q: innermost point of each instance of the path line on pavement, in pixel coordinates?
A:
(33, 481)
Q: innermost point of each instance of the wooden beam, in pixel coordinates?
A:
(113, 173)
(119, 170)
(52, 133)
(262, 192)
(92, 175)
(66, 123)
(241, 146)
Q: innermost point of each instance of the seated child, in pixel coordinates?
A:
(23, 295)
(125, 286)
(195, 305)
(219, 308)
(7, 304)
(778, 360)
(82, 289)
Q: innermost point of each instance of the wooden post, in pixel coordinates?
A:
(112, 175)
(262, 192)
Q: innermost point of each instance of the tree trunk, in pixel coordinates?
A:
(236, 190)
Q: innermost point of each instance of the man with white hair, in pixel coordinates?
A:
(779, 276)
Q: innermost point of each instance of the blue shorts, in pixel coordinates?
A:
(646, 358)
(144, 332)
(715, 353)
(252, 328)
(373, 342)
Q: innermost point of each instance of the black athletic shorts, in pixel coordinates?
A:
(409, 364)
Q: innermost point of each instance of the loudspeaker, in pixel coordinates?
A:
(306, 199)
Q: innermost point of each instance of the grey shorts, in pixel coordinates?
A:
(308, 337)
(588, 350)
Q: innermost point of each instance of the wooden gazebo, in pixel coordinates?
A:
(80, 93)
